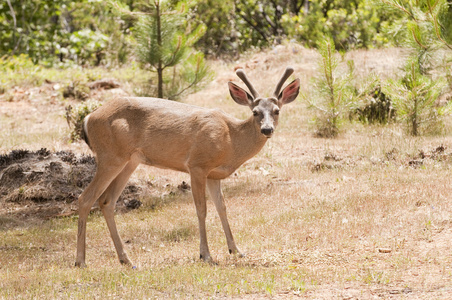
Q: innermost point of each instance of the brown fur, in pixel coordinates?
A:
(206, 143)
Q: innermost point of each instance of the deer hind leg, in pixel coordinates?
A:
(198, 183)
(106, 172)
(215, 192)
(107, 203)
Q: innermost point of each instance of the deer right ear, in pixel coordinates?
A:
(239, 95)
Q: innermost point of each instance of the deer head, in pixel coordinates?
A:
(265, 110)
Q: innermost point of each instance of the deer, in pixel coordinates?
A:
(208, 144)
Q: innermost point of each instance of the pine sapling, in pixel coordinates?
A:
(414, 99)
(332, 94)
(165, 46)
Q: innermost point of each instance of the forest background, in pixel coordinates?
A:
(172, 38)
(91, 32)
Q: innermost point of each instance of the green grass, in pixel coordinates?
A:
(20, 72)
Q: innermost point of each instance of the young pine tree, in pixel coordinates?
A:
(164, 45)
(414, 97)
(332, 95)
(427, 34)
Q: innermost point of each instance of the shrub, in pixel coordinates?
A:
(19, 70)
(373, 105)
(350, 24)
(76, 115)
(83, 46)
(76, 89)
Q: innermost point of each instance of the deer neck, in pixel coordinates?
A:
(248, 139)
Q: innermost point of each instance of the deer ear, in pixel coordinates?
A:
(290, 92)
(239, 95)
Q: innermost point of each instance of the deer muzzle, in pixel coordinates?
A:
(267, 131)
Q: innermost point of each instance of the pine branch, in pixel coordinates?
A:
(398, 6)
(126, 11)
(193, 83)
(436, 25)
(417, 39)
(175, 52)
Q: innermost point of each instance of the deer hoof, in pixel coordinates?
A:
(236, 252)
(80, 265)
(206, 258)
(126, 262)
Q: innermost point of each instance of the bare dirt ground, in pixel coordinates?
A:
(364, 216)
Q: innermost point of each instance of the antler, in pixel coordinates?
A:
(287, 73)
(241, 74)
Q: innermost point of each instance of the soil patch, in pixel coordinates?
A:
(46, 184)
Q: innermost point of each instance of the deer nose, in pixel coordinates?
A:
(267, 131)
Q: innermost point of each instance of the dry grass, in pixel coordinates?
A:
(349, 218)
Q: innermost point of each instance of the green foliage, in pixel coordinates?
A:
(76, 115)
(87, 32)
(423, 31)
(55, 32)
(18, 70)
(234, 26)
(159, 38)
(28, 26)
(414, 98)
(164, 45)
(19, 63)
(332, 94)
(372, 104)
(76, 89)
(222, 34)
(426, 22)
(351, 24)
(260, 22)
(83, 47)
(188, 76)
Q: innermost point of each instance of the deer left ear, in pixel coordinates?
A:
(290, 92)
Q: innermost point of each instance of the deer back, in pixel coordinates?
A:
(172, 135)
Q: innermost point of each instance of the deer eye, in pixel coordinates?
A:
(255, 113)
(277, 112)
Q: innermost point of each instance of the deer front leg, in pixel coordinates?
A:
(215, 192)
(107, 203)
(198, 183)
(104, 176)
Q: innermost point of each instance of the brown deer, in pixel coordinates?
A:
(205, 143)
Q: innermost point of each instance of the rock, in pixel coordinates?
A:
(384, 250)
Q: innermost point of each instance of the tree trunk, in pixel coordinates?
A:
(415, 121)
(159, 43)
